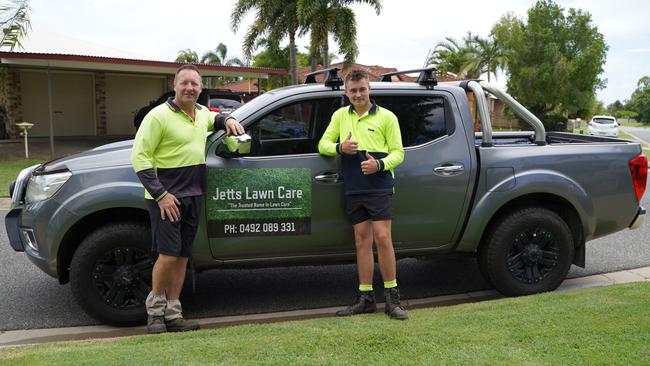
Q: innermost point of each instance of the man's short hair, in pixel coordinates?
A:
(186, 67)
(356, 75)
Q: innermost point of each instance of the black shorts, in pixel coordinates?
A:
(375, 207)
(175, 238)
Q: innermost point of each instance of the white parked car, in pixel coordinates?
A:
(603, 126)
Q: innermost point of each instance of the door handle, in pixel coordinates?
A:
(448, 169)
(328, 177)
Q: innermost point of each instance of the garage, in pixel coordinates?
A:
(72, 103)
(125, 94)
(91, 96)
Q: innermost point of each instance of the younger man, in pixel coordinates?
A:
(368, 139)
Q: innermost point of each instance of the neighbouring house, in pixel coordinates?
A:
(68, 87)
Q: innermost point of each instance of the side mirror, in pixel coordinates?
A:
(238, 144)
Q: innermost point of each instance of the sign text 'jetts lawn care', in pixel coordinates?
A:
(259, 202)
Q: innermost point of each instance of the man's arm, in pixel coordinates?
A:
(394, 143)
(225, 122)
(146, 140)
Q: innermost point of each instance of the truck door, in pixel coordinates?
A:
(432, 185)
(282, 199)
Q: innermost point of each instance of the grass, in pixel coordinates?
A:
(631, 123)
(9, 169)
(625, 136)
(603, 325)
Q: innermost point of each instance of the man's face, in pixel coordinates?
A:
(187, 86)
(358, 91)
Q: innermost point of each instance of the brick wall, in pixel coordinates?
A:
(10, 99)
(100, 102)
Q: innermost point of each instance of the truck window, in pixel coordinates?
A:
(421, 118)
(292, 129)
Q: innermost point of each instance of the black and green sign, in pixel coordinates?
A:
(259, 202)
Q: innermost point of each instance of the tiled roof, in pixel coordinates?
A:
(374, 71)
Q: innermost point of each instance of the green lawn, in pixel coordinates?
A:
(603, 325)
(9, 170)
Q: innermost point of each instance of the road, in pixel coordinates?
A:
(639, 132)
(31, 299)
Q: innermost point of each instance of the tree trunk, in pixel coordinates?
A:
(314, 63)
(292, 58)
(326, 56)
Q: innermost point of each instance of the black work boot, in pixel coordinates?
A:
(393, 307)
(365, 304)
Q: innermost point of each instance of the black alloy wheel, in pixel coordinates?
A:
(528, 251)
(110, 273)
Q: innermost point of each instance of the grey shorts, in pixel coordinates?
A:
(175, 238)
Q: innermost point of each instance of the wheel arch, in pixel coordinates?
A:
(554, 203)
(84, 227)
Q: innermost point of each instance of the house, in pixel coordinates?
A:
(68, 87)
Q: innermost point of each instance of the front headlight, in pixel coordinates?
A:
(43, 186)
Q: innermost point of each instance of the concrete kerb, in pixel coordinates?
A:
(36, 336)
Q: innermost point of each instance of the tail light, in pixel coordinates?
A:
(214, 109)
(639, 172)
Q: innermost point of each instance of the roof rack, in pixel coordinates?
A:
(332, 79)
(427, 76)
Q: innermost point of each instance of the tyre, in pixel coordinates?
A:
(110, 273)
(528, 251)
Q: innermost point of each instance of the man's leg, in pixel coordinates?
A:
(174, 312)
(190, 210)
(156, 303)
(179, 269)
(162, 274)
(387, 266)
(365, 302)
(365, 260)
(385, 252)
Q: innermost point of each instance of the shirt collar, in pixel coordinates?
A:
(372, 110)
(174, 107)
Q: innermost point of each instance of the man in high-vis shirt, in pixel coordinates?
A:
(169, 158)
(368, 139)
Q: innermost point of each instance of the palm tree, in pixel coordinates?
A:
(187, 56)
(275, 20)
(219, 56)
(490, 54)
(15, 23)
(457, 57)
(469, 58)
(323, 17)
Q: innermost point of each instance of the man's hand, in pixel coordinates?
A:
(233, 127)
(370, 166)
(169, 208)
(349, 146)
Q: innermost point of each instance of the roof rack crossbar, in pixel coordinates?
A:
(332, 78)
(427, 76)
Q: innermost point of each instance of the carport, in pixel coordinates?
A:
(67, 95)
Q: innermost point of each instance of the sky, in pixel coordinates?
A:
(401, 36)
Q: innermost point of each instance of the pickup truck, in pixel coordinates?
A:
(525, 203)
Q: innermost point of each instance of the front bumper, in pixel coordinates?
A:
(639, 219)
(12, 222)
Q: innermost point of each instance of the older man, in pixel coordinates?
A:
(169, 158)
